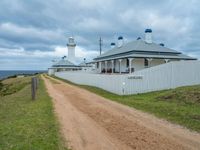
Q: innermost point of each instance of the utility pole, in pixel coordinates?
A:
(100, 45)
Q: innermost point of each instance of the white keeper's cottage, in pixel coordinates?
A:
(137, 67)
(136, 55)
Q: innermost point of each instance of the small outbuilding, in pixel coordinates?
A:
(63, 65)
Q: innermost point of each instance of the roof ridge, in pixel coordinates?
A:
(138, 45)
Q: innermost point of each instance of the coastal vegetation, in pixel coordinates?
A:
(1, 85)
(180, 105)
(24, 123)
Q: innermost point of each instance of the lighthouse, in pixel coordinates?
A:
(71, 49)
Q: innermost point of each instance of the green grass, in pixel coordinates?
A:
(26, 124)
(12, 85)
(180, 105)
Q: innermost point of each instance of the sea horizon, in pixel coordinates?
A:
(7, 73)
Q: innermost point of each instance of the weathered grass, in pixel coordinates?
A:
(27, 124)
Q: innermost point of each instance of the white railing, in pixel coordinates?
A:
(165, 76)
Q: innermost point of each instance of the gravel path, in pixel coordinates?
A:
(91, 122)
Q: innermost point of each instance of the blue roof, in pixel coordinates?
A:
(148, 30)
(120, 38)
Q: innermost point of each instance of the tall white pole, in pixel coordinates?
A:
(120, 60)
(166, 60)
(100, 67)
(130, 61)
(105, 66)
(112, 66)
(149, 62)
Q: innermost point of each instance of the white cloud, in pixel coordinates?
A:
(83, 53)
(57, 52)
(21, 59)
(152, 19)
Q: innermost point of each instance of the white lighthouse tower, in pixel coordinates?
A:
(71, 49)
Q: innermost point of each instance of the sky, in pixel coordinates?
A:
(35, 32)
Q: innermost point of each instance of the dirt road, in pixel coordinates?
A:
(91, 122)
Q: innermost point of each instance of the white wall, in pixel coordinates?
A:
(51, 71)
(156, 62)
(123, 65)
(137, 64)
(165, 76)
(104, 81)
(71, 53)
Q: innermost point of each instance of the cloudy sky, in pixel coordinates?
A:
(34, 32)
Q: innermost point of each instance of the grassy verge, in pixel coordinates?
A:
(27, 124)
(180, 105)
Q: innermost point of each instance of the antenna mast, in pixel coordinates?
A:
(100, 45)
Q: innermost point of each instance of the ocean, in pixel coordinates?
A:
(6, 73)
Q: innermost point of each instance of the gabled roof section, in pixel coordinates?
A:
(141, 49)
(64, 63)
(138, 46)
(83, 64)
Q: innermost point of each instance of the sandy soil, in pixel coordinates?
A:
(91, 122)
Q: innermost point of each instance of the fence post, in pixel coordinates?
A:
(37, 82)
(33, 87)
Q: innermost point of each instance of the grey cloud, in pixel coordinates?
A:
(43, 25)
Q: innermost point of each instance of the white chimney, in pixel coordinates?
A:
(148, 36)
(71, 48)
(162, 44)
(112, 45)
(120, 41)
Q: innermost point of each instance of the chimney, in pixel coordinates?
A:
(120, 41)
(161, 44)
(112, 45)
(148, 36)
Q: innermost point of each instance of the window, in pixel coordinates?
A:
(146, 63)
(71, 40)
(97, 64)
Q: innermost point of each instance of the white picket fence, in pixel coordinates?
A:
(165, 76)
